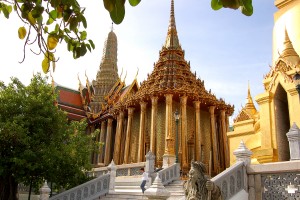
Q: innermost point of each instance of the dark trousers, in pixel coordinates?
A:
(143, 186)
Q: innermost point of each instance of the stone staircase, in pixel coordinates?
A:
(129, 188)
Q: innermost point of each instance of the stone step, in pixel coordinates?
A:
(128, 183)
(133, 196)
(124, 195)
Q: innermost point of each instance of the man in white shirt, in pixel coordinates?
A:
(144, 179)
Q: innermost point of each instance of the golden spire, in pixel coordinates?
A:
(172, 38)
(136, 73)
(289, 52)
(250, 108)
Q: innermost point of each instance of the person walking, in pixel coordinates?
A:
(144, 179)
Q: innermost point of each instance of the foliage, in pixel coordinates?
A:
(244, 5)
(36, 140)
(50, 22)
(54, 21)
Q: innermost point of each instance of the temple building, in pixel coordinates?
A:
(264, 130)
(137, 118)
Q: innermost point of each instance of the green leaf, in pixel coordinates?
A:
(88, 46)
(66, 14)
(109, 4)
(56, 28)
(246, 7)
(5, 12)
(70, 46)
(46, 29)
(9, 8)
(233, 4)
(83, 50)
(92, 44)
(73, 23)
(134, 2)
(83, 20)
(67, 30)
(49, 21)
(37, 11)
(83, 35)
(53, 14)
(216, 4)
(118, 13)
(40, 20)
(77, 52)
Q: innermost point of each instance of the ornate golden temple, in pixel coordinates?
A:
(134, 119)
(264, 131)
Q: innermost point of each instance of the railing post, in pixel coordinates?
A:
(242, 153)
(294, 142)
(251, 187)
(44, 192)
(258, 191)
(112, 178)
(157, 190)
(149, 168)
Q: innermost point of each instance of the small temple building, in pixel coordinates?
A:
(137, 118)
(264, 130)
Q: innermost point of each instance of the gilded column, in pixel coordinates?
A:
(169, 156)
(107, 156)
(153, 123)
(214, 139)
(117, 147)
(102, 137)
(142, 132)
(225, 141)
(128, 135)
(183, 147)
(169, 147)
(197, 132)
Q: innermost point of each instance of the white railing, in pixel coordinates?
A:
(170, 174)
(232, 180)
(87, 191)
(278, 180)
(122, 170)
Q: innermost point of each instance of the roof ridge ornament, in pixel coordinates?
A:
(172, 40)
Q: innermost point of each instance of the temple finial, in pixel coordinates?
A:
(172, 8)
(249, 97)
(112, 26)
(172, 38)
(137, 73)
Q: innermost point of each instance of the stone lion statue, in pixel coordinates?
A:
(198, 185)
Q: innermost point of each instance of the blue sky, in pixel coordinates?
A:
(225, 48)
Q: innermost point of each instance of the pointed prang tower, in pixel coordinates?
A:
(172, 86)
(107, 75)
(288, 53)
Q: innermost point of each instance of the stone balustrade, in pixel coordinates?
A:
(232, 180)
(275, 181)
(122, 170)
(170, 174)
(89, 190)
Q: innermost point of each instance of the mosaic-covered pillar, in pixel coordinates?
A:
(183, 147)
(153, 123)
(225, 141)
(214, 139)
(102, 137)
(169, 156)
(117, 147)
(107, 157)
(142, 132)
(197, 132)
(128, 135)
